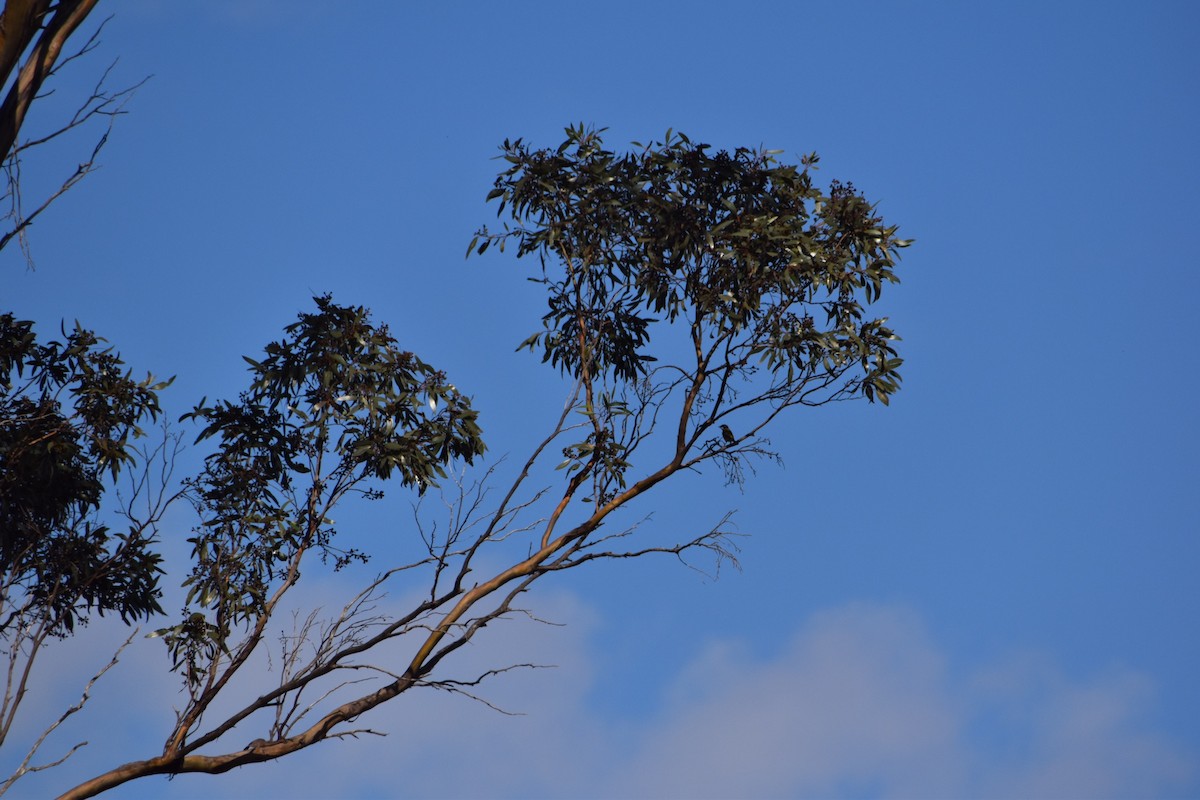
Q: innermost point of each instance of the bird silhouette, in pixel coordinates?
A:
(728, 435)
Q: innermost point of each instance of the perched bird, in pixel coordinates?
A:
(728, 435)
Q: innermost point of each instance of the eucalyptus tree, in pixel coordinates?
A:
(694, 296)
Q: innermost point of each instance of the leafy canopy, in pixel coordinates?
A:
(335, 406)
(733, 243)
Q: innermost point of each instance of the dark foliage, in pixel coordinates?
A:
(68, 412)
(732, 243)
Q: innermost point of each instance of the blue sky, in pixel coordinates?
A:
(1010, 610)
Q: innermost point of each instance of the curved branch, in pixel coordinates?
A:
(68, 15)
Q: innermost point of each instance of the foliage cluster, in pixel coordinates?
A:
(735, 244)
(68, 414)
(335, 407)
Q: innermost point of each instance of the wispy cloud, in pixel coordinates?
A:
(860, 700)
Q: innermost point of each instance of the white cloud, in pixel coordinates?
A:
(861, 702)
(1072, 739)
(855, 702)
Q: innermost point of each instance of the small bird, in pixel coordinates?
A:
(728, 435)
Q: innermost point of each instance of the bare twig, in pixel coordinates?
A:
(44, 28)
(24, 768)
